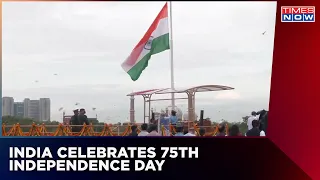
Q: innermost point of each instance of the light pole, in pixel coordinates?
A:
(63, 112)
(94, 109)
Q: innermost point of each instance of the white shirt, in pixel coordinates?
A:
(153, 133)
(143, 133)
(250, 119)
(189, 134)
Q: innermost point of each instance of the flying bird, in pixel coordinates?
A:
(60, 108)
(264, 32)
(55, 74)
(94, 109)
(77, 104)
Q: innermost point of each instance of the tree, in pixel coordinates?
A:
(245, 119)
(98, 126)
(11, 120)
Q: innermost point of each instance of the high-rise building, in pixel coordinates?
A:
(33, 109)
(44, 109)
(26, 103)
(37, 109)
(18, 108)
(7, 106)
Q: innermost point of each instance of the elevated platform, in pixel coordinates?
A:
(190, 91)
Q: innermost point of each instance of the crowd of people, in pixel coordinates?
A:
(256, 127)
(152, 130)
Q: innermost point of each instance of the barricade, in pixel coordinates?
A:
(88, 130)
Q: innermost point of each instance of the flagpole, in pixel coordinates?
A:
(171, 56)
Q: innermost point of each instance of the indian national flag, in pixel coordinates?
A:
(155, 40)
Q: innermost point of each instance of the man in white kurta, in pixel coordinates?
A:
(251, 118)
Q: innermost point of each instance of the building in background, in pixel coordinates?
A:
(33, 110)
(66, 119)
(26, 103)
(38, 110)
(7, 106)
(18, 109)
(44, 109)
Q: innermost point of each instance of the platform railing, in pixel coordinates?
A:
(88, 130)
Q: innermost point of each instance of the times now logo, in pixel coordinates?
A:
(298, 13)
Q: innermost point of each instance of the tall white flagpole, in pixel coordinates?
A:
(171, 56)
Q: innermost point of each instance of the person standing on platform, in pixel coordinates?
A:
(263, 119)
(165, 122)
(83, 117)
(74, 121)
(251, 118)
(173, 118)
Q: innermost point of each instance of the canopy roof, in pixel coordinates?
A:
(203, 88)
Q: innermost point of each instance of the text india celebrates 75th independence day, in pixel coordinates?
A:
(94, 158)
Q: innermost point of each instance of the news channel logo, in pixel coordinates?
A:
(298, 13)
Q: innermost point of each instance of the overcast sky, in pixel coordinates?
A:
(86, 42)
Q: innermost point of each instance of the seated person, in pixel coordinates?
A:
(153, 130)
(179, 130)
(191, 132)
(133, 130)
(144, 128)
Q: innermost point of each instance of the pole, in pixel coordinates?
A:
(63, 114)
(144, 110)
(171, 56)
(159, 128)
(201, 118)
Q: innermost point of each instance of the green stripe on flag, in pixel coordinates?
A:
(159, 44)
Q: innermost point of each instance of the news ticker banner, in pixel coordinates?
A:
(117, 157)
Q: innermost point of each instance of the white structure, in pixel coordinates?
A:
(190, 92)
